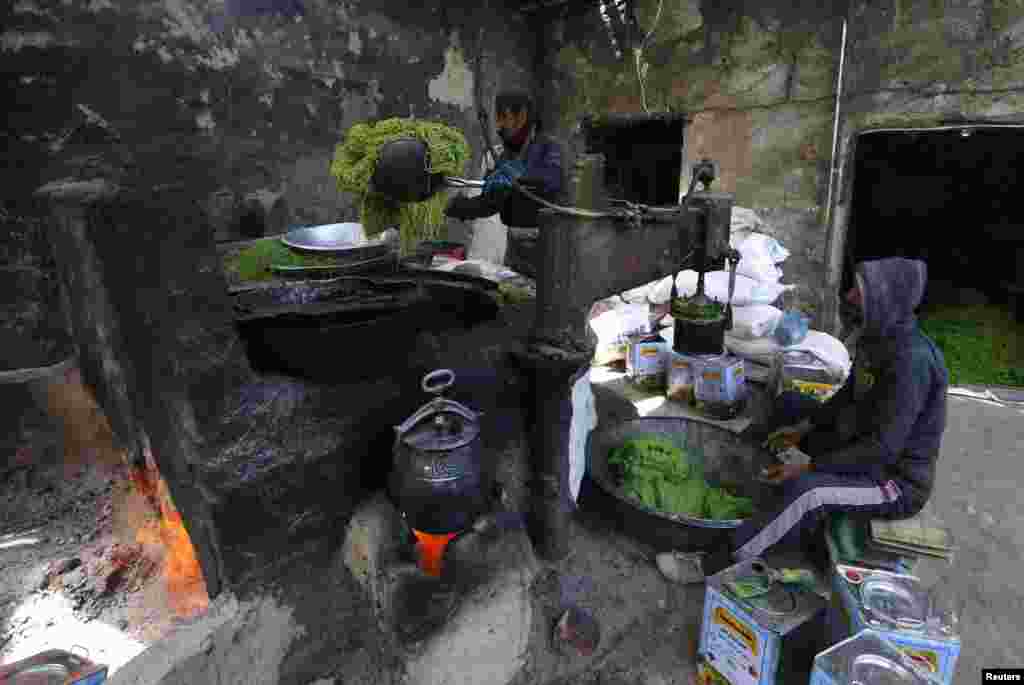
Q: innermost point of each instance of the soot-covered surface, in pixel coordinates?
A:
(356, 328)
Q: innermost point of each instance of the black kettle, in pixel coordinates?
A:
(438, 480)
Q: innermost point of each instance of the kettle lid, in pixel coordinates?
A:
(440, 424)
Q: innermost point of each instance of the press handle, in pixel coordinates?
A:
(436, 382)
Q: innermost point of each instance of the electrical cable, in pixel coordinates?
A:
(641, 72)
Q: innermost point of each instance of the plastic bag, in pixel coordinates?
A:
(613, 328)
(761, 246)
(792, 328)
(755, 321)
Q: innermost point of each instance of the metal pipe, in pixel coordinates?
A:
(835, 128)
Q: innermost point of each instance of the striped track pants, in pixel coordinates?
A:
(805, 503)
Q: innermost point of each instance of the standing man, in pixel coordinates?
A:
(874, 446)
(531, 158)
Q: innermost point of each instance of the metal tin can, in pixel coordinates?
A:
(53, 667)
(900, 609)
(645, 362)
(742, 641)
(867, 658)
(721, 387)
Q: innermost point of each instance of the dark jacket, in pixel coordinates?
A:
(893, 407)
(543, 161)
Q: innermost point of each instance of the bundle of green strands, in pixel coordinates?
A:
(355, 160)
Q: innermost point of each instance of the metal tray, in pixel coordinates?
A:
(344, 240)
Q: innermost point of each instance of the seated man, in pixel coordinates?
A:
(873, 447)
(533, 160)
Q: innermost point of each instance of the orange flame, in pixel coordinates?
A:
(186, 587)
(431, 548)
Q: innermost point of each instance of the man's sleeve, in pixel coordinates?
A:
(896, 401)
(483, 205)
(550, 169)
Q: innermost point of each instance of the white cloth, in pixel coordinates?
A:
(584, 420)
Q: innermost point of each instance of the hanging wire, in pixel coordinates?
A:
(641, 69)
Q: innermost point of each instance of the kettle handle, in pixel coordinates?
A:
(436, 382)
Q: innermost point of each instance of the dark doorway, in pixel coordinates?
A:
(951, 198)
(948, 196)
(643, 156)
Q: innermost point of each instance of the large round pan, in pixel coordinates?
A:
(728, 461)
(338, 240)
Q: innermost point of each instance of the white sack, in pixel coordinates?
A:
(755, 321)
(828, 350)
(614, 325)
(759, 350)
(759, 246)
(760, 269)
(746, 292)
(744, 220)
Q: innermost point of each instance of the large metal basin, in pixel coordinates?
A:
(728, 461)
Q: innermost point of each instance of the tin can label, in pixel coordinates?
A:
(734, 647)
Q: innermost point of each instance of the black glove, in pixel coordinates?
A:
(532, 183)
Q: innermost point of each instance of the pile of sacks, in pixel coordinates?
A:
(778, 346)
(763, 335)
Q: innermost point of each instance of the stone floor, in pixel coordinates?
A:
(649, 627)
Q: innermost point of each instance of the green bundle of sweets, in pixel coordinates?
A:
(355, 160)
(663, 477)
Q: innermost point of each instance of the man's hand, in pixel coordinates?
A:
(787, 436)
(780, 473)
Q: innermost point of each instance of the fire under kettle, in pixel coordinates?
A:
(438, 479)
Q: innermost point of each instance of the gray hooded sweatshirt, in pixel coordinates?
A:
(893, 408)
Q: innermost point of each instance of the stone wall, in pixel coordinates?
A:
(759, 81)
(261, 90)
(243, 102)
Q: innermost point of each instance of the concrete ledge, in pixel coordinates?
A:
(484, 637)
(235, 642)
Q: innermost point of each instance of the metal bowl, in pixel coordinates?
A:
(898, 600)
(345, 239)
(873, 669)
(728, 461)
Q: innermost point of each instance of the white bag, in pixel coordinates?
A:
(759, 350)
(747, 291)
(584, 420)
(828, 350)
(755, 321)
(614, 325)
(761, 269)
(760, 246)
(744, 220)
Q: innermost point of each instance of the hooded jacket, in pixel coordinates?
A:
(540, 159)
(893, 407)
